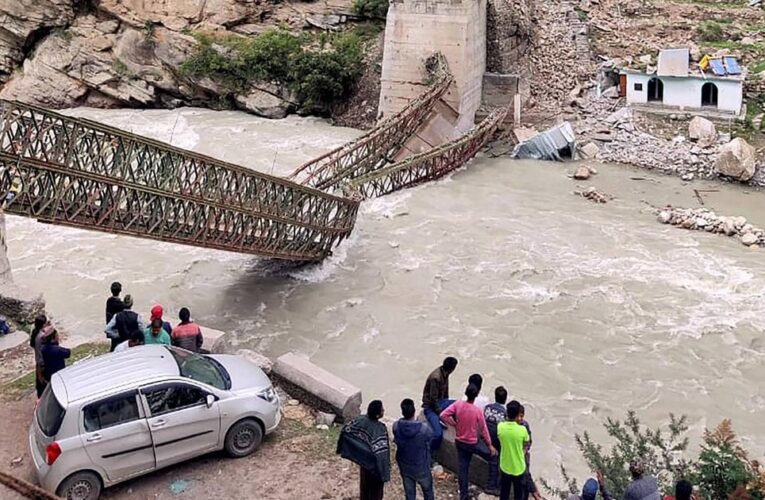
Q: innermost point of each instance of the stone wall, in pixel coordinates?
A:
(415, 30)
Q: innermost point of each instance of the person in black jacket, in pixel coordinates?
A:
(123, 324)
(114, 304)
(364, 441)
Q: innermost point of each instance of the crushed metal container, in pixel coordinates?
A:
(555, 144)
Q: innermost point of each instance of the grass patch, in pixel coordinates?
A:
(714, 4)
(374, 9)
(581, 13)
(318, 443)
(710, 31)
(320, 70)
(25, 384)
(757, 67)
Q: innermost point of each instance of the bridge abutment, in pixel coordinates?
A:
(415, 30)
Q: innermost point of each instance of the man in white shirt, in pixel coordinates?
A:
(136, 338)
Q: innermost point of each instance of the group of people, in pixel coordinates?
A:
(496, 431)
(126, 328)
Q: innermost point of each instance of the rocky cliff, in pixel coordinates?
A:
(109, 53)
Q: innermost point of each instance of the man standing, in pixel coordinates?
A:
(187, 334)
(124, 323)
(468, 420)
(364, 441)
(435, 398)
(114, 303)
(413, 452)
(481, 401)
(494, 413)
(155, 334)
(643, 486)
(512, 460)
(54, 356)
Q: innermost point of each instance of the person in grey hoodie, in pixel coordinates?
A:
(413, 452)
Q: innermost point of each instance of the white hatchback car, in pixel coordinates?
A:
(121, 415)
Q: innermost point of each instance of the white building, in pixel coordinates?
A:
(675, 85)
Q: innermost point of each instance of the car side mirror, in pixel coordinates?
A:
(210, 400)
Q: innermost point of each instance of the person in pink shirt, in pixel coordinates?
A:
(472, 439)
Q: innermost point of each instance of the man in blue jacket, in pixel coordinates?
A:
(413, 452)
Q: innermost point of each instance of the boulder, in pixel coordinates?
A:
(264, 103)
(20, 304)
(589, 150)
(582, 173)
(620, 116)
(317, 387)
(749, 239)
(702, 131)
(737, 160)
(263, 362)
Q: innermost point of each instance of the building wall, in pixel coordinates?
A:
(415, 30)
(686, 92)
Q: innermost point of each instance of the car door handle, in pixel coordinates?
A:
(159, 423)
(93, 438)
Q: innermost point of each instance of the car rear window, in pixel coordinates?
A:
(50, 413)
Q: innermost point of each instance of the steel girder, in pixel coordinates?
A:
(426, 166)
(81, 173)
(375, 149)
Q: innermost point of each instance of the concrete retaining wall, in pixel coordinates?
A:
(317, 387)
(415, 30)
(447, 457)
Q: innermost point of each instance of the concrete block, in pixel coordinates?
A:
(317, 387)
(447, 456)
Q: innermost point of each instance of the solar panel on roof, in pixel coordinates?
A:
(717, 67)
(732, 66)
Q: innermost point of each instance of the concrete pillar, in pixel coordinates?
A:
(415, 30)
(5, 265)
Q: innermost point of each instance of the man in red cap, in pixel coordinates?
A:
(156, 313)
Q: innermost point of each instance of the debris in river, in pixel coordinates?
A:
(594, 195)
(557, 143)
(703, 219)
(583, 173)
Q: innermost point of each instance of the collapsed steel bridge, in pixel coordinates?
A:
(80, 173)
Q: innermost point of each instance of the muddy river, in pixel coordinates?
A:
(582, 310)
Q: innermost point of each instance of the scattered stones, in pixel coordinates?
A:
(582, 173)
(703, 219)
(322, 427)
(293, 402)
(594, 195)
(702, 131)
(589, 151)
(737, 160)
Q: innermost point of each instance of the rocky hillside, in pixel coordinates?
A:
(108, 53)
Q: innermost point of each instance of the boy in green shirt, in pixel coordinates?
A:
(155, 334)
(512, 460)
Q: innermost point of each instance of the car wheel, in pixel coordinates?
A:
(243, 438)
(80, 486)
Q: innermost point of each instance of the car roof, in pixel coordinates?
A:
(103, 374)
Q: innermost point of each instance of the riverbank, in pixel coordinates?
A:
(298, 460)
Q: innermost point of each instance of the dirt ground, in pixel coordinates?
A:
(296, 461)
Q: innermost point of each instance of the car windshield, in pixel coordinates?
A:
(201, 368)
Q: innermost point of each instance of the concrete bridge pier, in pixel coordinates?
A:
(415, 30)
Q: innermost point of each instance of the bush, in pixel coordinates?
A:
(724, 469)
(659, 450)
(320, 74)
(371, 8)
(710, 31)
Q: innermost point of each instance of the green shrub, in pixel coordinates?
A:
(658, 449)
(724, 467)
(371, 8)
(710, 31)
(320, 72)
